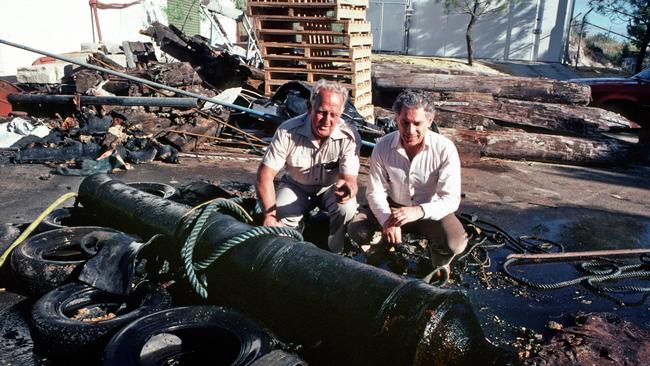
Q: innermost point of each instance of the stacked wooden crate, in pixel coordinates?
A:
(316, 39)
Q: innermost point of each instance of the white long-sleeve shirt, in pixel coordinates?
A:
(431, 180)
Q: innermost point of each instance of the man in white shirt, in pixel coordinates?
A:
(414, 184)
(320, 155)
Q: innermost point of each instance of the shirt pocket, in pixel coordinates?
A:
(329, 171)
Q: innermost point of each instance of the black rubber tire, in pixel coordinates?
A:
(69, 217)
(56, 334)
(209, 335)
(157, 189)
(36, 269)
(15, 339)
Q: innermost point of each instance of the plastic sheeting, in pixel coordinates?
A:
(16, 129)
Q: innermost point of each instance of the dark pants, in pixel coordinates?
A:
(446, 237)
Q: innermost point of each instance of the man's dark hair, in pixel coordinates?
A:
(414, 99)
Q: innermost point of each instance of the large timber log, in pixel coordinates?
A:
(541, 147)
(522, 88)
(383, 67)
(558, 118)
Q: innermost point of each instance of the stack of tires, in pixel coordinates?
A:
(74, 322)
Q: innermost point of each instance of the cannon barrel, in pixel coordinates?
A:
(338, 310)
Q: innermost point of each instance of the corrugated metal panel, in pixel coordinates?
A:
(184, 14)
(388, 19)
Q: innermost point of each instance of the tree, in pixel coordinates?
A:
(475, 9)
(636, 13)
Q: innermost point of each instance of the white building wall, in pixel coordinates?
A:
(510, 35)
(60, 26)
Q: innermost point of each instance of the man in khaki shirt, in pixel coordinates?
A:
(414, 184)
(320, 155)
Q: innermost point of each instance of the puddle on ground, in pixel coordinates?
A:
(595, 233)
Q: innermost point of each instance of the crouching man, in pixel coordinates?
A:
(320, 155)
(414, 184)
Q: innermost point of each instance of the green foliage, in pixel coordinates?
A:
(605, 47)
(636, 13)
(240, 4)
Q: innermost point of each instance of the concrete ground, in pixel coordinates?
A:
(551, 70)
(582, 208)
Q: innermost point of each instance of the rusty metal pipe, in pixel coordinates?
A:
(25, 98)
(340, 311)
(575, 255)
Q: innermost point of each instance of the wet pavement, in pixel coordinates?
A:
(581, 208)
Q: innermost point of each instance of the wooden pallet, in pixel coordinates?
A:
(266, 24)
(353, 89)
(312, 2)
(361, 100)
(309, 10)
(317, 63)
(273, 79)
(367, 112)
(313, 37)
(304, 50)
(354, 73)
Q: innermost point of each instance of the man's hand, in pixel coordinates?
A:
(404, 215)
(392, 234)
(272, 220)
(344, 191)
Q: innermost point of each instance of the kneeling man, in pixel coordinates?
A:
(414, 183)
(320, 154)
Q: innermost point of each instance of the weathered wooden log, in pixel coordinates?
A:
(542, 147)
(390, 67)
(531, 116)
(533, 89)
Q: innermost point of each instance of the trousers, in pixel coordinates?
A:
(294, 200)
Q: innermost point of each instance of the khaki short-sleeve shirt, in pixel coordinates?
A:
(294, 148)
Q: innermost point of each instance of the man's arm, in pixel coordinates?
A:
(403, 215)
(377, 189)
(266, 194)
(273, 161)
(448, 188)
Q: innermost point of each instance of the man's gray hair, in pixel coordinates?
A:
(332, 86)
(414, 99)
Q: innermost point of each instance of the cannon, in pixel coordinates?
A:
(340, 311)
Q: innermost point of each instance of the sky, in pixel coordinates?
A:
(581, 8)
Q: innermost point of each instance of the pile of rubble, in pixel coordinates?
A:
(101, 122)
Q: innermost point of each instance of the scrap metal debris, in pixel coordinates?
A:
(596, 339)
